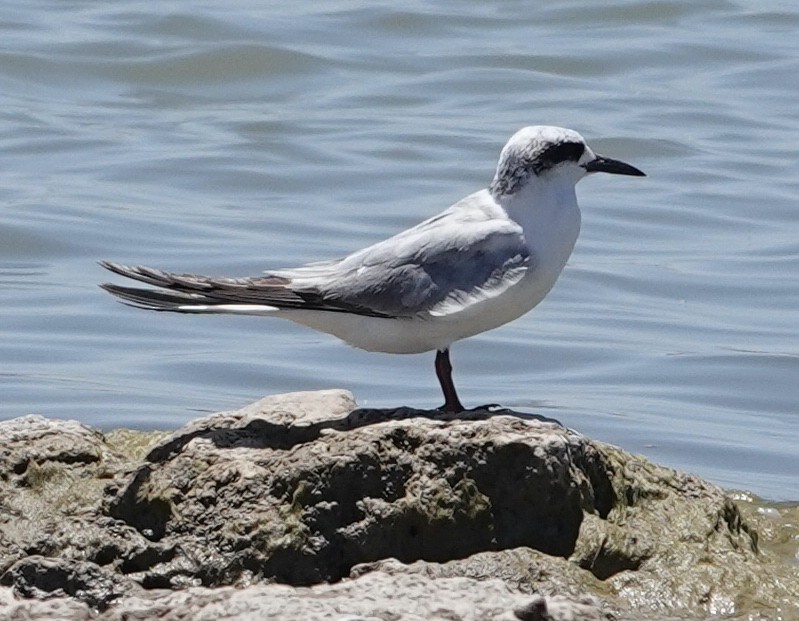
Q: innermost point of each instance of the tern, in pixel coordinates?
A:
(483, 262)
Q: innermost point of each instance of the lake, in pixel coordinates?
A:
(232, 138)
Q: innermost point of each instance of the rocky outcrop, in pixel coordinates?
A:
(341, 505)
(372, 597)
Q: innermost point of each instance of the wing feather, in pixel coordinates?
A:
(469, 253)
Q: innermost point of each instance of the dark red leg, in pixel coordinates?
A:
(444, 373)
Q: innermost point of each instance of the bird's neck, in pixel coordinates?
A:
(550, 221)
(538, 203)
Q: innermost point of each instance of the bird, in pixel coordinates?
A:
(486, 260)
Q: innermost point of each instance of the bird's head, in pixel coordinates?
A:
(542, 152)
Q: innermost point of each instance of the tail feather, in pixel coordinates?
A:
(191, 293)
(153, 299)
(194, 282)
(176, 292)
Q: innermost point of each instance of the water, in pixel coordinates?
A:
(231, 138)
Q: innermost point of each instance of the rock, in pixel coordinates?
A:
(62, 608)
(305, 489)
(302, 491)
(523, 569)
(373, 597)
(51, 486)
(44, 578)
(31, 443)
(541, 608)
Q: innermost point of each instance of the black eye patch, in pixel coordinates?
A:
(557, 153)
(516, 168)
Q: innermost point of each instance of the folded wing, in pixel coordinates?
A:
(440, 267)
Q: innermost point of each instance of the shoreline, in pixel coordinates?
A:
(308, 496)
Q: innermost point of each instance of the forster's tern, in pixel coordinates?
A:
(485, 261)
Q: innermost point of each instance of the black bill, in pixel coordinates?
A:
(615, 167)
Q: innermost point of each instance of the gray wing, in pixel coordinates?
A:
(440, 267)
(468, 253)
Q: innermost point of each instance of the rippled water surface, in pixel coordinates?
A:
(231, 137)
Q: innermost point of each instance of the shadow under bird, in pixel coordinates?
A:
(486, 260)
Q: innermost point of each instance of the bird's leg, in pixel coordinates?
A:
(444, 373)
